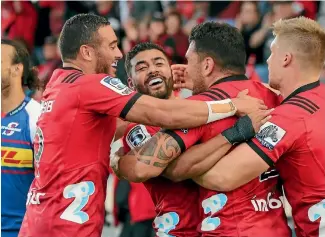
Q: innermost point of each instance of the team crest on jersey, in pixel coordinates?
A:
(10, 129)
(137, 136)
(270, 134)
(184, 130)
(38, 144)
(116, 85)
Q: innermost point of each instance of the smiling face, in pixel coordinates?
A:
(107, 53)
(151, 74)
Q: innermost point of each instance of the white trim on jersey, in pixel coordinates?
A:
(33, 109)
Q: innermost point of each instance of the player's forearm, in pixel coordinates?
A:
(176, 114)
(198, 159)
(133, 170)
(149, 160)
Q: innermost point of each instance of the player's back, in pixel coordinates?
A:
(17, 172)
(254, 209)
(302, 166)
(175, 203)
(72, 146)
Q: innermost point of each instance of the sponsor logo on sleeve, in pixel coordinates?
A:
(115, 84)
(270, 135)
(137, 136)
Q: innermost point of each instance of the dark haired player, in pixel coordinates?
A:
(216, 65)
(78, 121)
(148, 68)
(293, 140)
(19, 114)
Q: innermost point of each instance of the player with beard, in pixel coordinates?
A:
(148, 68)
(79, 109)
(19, 114)
(293, 140)
(216, 64)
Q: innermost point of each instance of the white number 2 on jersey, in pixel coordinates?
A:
(81, 193)
(316, 212)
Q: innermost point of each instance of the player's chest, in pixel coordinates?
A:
(15, 128)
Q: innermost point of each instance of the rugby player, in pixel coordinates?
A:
(148, 68)
(19, 114)
(216, 64)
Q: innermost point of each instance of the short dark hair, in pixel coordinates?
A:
(21, 56)
(79, 30)
(137, 49)
(221, 41)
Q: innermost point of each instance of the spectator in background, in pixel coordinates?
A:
(142, 10)
(174, 30)
(45, 70)
(198, 15)
(263, 36)
(110, 10)
(19, 20)
(248, 21)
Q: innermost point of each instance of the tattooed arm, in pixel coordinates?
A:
(150, 160)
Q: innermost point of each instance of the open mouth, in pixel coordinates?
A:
(114, 64)
(155, 82)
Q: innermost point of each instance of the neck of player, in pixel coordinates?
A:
(293, 82)
(79, 66)
(11, 98)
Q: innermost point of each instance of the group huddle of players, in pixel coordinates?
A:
(215, 164)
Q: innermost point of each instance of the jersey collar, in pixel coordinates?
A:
(18, 108)
(301, 89)
(240, 77)
(71, 68)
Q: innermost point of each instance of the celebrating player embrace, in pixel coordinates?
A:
(79, 109)
(216, 66)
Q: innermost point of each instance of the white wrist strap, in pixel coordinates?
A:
(216, 114)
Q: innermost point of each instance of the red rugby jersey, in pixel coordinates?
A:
(255, 209)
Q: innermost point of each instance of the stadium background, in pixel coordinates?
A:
(37, 24)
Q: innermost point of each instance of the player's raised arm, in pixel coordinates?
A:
(188, 113)
(199, 159)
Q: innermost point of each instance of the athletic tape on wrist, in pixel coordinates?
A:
(214, 116)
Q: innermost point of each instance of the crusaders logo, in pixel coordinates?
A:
(38, 144)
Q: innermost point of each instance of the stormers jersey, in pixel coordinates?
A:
(17, 134)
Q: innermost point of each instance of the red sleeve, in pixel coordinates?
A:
(107, 95)
(136, 135)
(186, 137)
(189, 137)
(277, 136)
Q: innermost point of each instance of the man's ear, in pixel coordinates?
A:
(287, 59)
(17, 70)
(87, 53)
(130, 83)
(208, 66)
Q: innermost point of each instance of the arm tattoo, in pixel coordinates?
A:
(158, 151)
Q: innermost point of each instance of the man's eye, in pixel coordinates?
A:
(141, 68)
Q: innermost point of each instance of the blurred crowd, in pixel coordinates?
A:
(38, 23)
